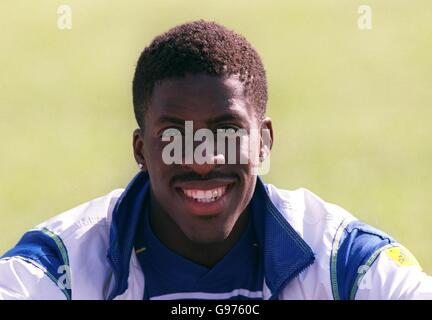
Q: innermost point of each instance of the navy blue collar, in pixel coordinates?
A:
(284, 252)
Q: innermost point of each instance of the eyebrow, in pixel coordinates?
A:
(171, 119)
(226, 117)
(180, 121)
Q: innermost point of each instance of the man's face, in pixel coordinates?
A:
(203, 200)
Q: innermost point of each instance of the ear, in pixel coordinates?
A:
(138, 149)
(266, 143)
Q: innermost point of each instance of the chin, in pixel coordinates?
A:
(206, 238)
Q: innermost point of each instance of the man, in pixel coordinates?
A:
(207, 228)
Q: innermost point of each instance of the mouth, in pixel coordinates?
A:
(203, 198)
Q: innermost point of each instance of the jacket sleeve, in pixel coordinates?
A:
(368, 264)
(20, 279)
(36, 268)
(394, 275)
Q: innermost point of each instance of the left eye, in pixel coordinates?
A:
(229, 128)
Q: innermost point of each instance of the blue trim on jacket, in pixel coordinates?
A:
(41, 250)
(284, 252)
(125, 218)
(359, 242)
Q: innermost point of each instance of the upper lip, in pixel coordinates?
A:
(204, 184)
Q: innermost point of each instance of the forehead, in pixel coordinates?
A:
(199, 97)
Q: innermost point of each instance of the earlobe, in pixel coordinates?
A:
(264, 153)
(266, 136)
(138, 149)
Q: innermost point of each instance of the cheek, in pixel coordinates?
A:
(242, 150)
(249, 151)
(246, 192)
(153, 154)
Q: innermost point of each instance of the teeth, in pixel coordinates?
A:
(205, 195)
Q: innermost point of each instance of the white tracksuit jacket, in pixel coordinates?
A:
(310, 249)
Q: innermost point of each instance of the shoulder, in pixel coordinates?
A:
(84, 217)
(311, 216)
(61, 243)
(69, 231)
(342, 244)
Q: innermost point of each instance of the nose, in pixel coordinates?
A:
(205, 168)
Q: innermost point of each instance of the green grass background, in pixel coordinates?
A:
(351, 108)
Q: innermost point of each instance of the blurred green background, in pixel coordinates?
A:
(351, 107)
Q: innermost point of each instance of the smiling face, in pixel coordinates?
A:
(202, 201)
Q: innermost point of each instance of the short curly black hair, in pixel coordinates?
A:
(198, 47)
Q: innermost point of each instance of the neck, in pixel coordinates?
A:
(208, 254)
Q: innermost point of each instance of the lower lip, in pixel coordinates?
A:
(206, 208)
